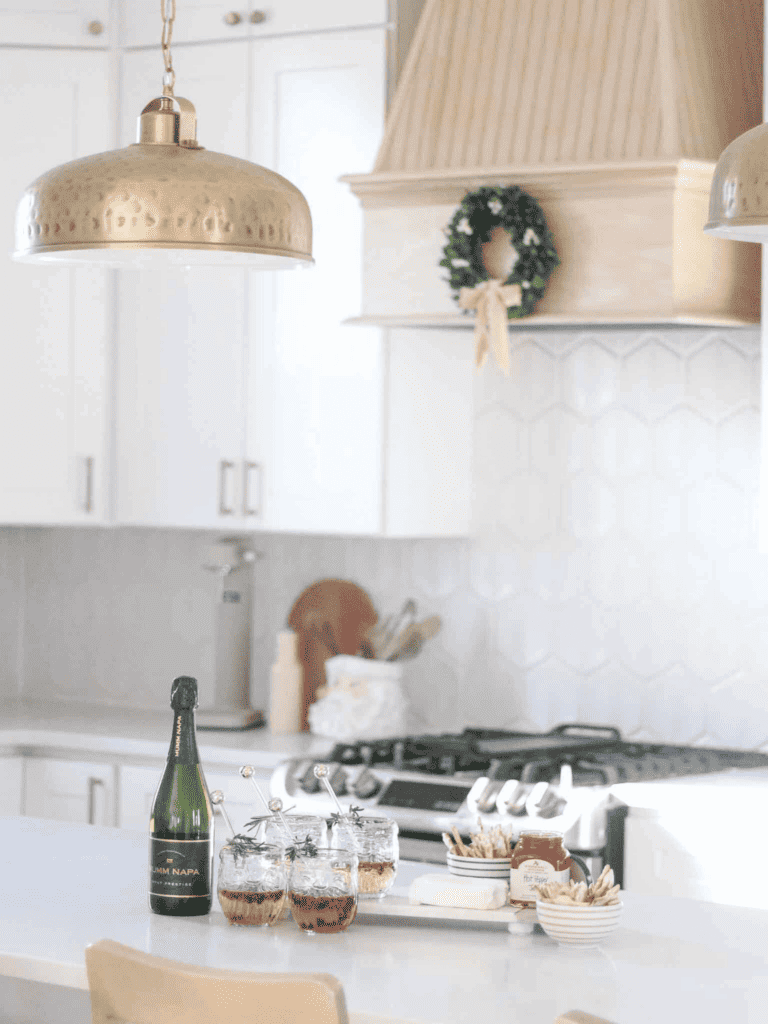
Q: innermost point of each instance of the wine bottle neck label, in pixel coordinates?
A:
(183, 748)
(181, 868)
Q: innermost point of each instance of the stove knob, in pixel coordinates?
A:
(338, 781)
(309, 782)
(366, 785)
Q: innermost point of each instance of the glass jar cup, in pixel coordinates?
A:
(300, 826)
(322, 890)
(251, 885)
(376, 843)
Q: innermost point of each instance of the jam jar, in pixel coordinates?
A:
(538, 858)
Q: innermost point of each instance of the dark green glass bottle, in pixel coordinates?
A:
(181, 826)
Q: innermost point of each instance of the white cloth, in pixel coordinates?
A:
(363, 700)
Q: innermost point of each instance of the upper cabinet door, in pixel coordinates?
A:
(53, 357)
(209, 20)
(181, 348)
(315, 385)
(57, 23)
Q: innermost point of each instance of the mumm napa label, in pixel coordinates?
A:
(180, 867)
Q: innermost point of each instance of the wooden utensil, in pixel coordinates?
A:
(410, 640)
(330, 617)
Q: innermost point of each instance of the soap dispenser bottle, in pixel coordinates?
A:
(286, 692)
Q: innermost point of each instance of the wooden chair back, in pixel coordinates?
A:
(129, 986)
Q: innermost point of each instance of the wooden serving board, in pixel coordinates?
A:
(330, 617)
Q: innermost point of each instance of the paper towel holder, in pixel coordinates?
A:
(225, 701)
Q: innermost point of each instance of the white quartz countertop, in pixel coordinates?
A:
(64, 886)
(138, 733)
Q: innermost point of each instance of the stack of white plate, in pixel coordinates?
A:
(479, 867)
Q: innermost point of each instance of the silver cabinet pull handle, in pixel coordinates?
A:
(232, 18)
(257, 17)
(248, 509)
(93, 785)
(224, 468)
(88, 499)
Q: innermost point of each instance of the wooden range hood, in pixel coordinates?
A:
(612, 114)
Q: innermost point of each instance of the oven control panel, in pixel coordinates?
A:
(397, 791)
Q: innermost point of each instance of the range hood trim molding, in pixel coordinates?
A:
(427, 188)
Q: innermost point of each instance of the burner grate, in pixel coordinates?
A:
(597, 755)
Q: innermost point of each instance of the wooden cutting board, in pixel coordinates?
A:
(330, 617)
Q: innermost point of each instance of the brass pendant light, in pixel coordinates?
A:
(738, 200)
(164, 199)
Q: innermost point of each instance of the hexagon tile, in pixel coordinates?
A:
(613, 573)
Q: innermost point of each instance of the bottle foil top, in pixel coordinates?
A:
(184, 693)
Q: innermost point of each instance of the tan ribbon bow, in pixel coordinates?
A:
(490, 301)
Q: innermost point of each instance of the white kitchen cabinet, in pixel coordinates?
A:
(207, 20)
(366, 432)
(138, 784)
(242, 400)
(63, 23)
(318, 105)
(180, 425)
(80, 791)
(11, 789)
(53, 363)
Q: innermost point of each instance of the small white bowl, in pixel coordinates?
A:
(578, 926)
(479, 867)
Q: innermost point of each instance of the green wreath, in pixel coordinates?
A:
(519, 214)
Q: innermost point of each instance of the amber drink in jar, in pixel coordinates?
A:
(322, 889)
(251, 884)
(538, 858)
(376, 843)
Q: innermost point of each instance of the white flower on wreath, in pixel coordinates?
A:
(531, 236)
(459, 263)
(495, 206)
(526, 284)
(464, 227)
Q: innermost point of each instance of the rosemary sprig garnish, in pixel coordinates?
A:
(304, 849)
(242, 845)
(255, 822)
(352, 817)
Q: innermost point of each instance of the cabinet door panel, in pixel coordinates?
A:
(79, 791)
(54, 357)
(180, 362)
(315, 385)
(58, 23)
(310, 16)
(208, 20)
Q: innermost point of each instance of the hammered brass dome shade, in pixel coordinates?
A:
(164, 200)
(738, 202)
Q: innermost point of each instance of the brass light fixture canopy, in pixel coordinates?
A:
(738, 200)
(164, 199)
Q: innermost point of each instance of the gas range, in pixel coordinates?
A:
(558, 781)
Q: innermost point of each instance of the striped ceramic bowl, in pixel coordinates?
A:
(580, 926)
(479, 867)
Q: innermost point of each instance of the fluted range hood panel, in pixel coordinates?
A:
(611, 113)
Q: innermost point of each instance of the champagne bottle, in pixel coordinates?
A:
(181, 825)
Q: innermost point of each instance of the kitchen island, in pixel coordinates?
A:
(65, 886)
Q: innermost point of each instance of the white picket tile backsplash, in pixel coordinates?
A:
(613, 574)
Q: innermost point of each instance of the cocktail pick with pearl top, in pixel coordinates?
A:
(273, 806)
(321, 772)
(217, 799)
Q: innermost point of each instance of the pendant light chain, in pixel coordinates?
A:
(168, 12)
